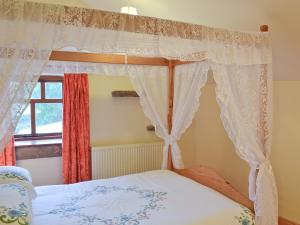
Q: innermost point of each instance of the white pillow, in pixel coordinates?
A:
(15, 204)
(15, 172)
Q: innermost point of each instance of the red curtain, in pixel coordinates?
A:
(8, 156)
(76, 153)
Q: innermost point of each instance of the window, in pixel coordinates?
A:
(42, 118)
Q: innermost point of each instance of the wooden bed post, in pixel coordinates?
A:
(170, 109)
(264, 28)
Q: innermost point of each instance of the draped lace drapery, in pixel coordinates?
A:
(151, 84)
(244, 94)
(241, 62)
(25, 48)
(189, 79)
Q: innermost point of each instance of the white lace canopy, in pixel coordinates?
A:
(240, 61)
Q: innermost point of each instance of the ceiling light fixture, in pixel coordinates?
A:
(129, 9)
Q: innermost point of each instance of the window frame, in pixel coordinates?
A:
(34, 136)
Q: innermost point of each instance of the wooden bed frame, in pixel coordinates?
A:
(208, 177)
(200, 174)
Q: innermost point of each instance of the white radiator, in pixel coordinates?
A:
(118, 160)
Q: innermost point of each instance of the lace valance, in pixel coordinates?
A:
(140, 35)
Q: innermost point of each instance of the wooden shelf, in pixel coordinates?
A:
(124, 94)
(150, 128)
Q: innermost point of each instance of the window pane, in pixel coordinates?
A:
(36, 94)
(24, 125)
(53, 90)
(48, 117)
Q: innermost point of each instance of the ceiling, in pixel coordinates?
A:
(282, 16)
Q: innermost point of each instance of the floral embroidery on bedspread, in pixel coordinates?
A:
(72, 208)
(17, 212)
(4, 176)
(16, 215)
(246, 217)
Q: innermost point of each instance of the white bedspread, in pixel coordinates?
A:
(157, 198)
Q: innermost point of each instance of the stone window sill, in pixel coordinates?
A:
(35, 149)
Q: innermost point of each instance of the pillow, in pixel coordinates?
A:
(15, 172)
(15, 204)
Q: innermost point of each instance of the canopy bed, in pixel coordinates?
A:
(167, 63)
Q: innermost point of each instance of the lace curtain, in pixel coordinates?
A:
(151, 84)
(24, 51)
(188, 81)
(244, 94)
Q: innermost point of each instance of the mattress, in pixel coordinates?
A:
(152, 198)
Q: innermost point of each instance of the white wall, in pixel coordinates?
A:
(44, 171)
(116, 120)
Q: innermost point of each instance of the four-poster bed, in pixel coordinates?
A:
(203, 175)
(133, 60)
(167, 63)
